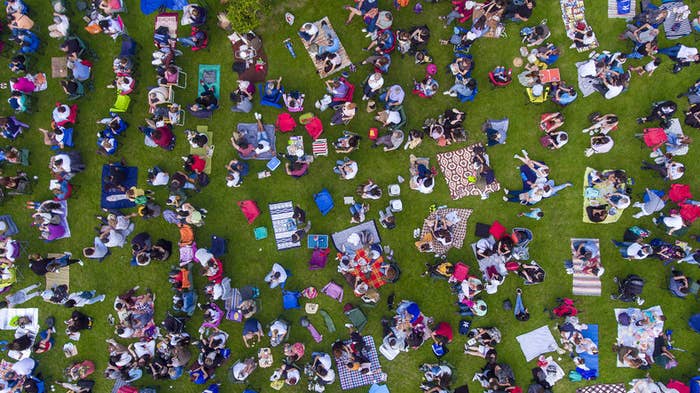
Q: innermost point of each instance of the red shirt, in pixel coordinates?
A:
(198, 164)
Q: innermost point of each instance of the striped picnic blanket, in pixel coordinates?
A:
(675, 27)
(354, 379)
(585, 283)
(283, 225)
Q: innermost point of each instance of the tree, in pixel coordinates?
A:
(245, 15)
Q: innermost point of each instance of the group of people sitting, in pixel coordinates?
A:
(447, 128)
(536, 184)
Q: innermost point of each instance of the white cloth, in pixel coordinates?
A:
(537, 342)
(24, 366)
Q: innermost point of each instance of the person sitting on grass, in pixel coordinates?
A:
(347, 143)
(346, 168)
(391, 141)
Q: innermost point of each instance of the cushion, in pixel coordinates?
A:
(497, 230)
(250, 210)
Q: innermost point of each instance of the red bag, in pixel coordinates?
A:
(250, 210)
(285, 122)
(127, 389)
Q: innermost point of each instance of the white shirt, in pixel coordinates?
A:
(161, 179)
(58, 116)
(674, 171)
(687, 53)
(115, 239)
(613, 91)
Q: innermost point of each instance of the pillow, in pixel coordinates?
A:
(497, 230)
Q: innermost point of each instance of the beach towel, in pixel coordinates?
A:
(537, 342)
(209, 76)
(593, 196)
(675, 26)
(603, 388)
(10, 225)
(340, 239)
(585, 283)
(169, 20)
(460, 174)
(458, 232)
(114, 198)
(204, 151)
(250, 132)
(283, 225)
(354, 379)
(572, 13)
(312, 49)
(250, 210)
(591, 360)
(615, 11)
(61, 277)
(552, 371)
(640, 337)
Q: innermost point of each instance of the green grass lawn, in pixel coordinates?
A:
(248, 260)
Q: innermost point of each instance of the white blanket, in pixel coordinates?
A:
(7, 314)
(537, 342)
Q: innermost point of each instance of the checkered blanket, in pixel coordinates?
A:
(320, 39)
(374, 278)
(603, 388)
(585, 283)
(459, 230)
(283, 224)
(353, 379)
(457, 168)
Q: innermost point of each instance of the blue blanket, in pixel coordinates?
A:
(591, 361)
(149, 6)
(114, 198)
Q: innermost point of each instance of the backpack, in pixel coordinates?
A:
(464, 327)
(633, 285)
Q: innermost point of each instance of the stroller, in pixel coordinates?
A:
(629, 289)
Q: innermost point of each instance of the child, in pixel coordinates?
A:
(648, 68)
(534, 213)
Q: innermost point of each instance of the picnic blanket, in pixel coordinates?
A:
(210, 76)
(639, 337)
(115, 198)
(204, 151)
(149, 6)
(496, 28)
(340, 239)
(573, 12)
(374, 277)
(537, 342)
(312, 48)
(283, 225)
(169, 20)
(250, 132)
(354, 379)
(603, 388)
(60, 277)
(8, 314)
(64, 221)
(613, 11)
(460, 174)
(675, 26)
(252, 73)
(593, 196)
(585, 282)
(591, 360)
(458, 232)
(586, 77)
(10, 225)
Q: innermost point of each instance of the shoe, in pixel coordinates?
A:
(505, 190)
(80, 262)
(111, 86)
(640, 120)
(349, 325)
(258, 116)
